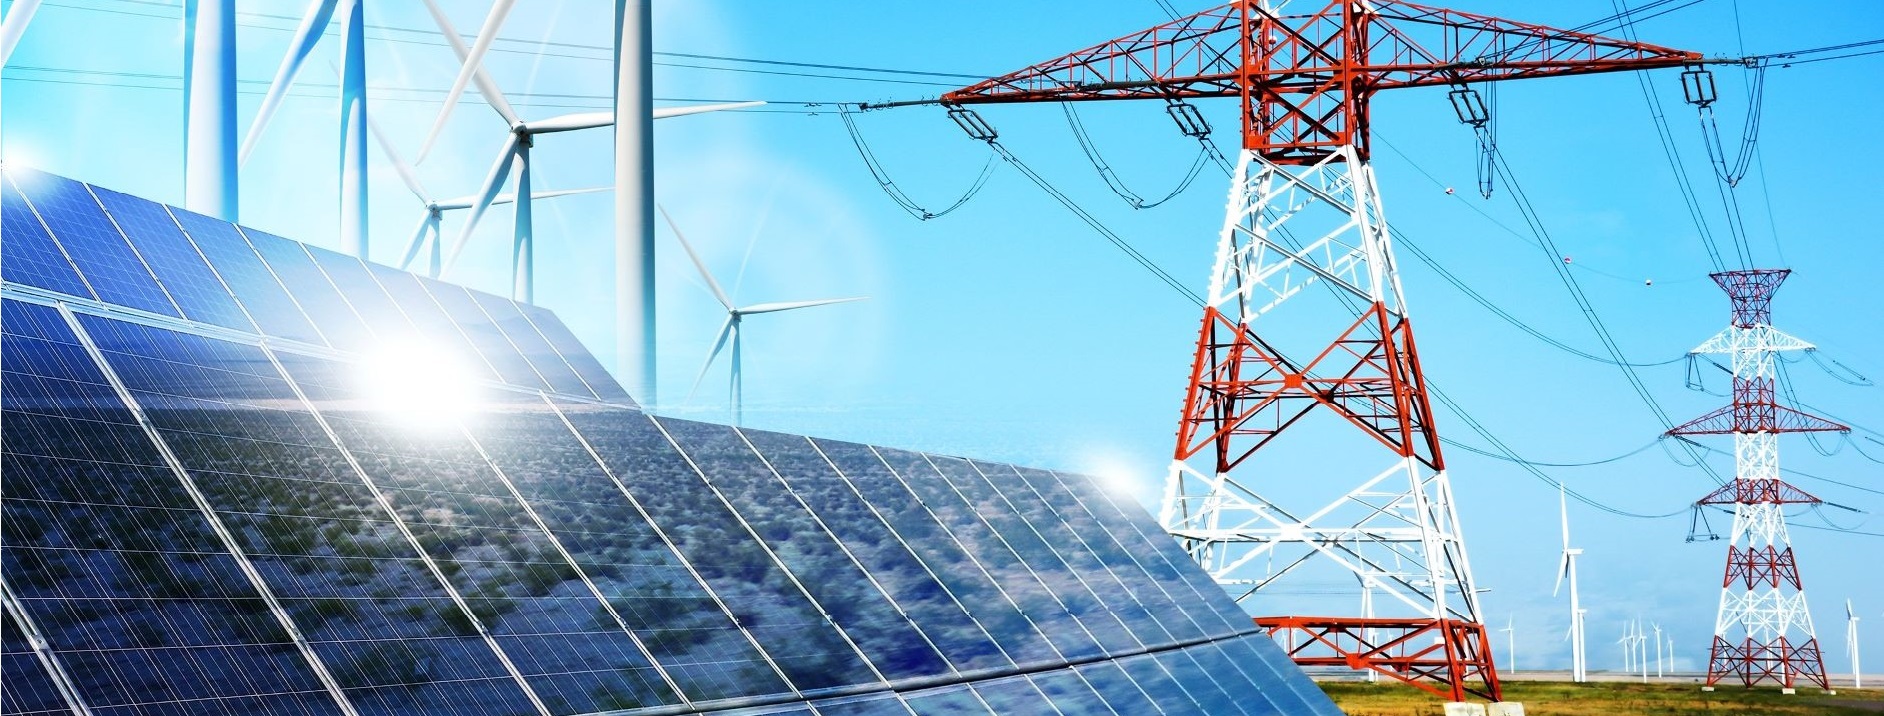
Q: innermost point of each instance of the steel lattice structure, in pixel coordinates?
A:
(1762, 631)
(1303, 209)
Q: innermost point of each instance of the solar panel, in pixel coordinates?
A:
(214, 505)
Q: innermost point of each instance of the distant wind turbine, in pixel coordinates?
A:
(516, 152)
(1658, 650)
(1567, 566)
(1511, 645)
(734, 316)
(428, 234)
(1851, 645)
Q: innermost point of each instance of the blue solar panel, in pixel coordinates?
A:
(32, 257)
(251, 282)
(175, 262)
(217, 505)
(115, 271)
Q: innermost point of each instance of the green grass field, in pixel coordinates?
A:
(1543, 698)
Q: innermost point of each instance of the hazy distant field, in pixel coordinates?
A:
(1616, 699)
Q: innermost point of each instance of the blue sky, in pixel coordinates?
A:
(1009, 330)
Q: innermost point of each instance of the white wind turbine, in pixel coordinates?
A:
(734, 316)
(353, 173)
(1658, 650)
(516, 152)
(1567, 566)
(1851, 645)
(1641, 649)
(428, 234)
(1511, 645)
(1627, 642)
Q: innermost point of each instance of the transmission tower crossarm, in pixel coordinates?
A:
(1305, 78)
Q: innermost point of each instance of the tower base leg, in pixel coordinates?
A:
(1779, 662)
(1448, 658)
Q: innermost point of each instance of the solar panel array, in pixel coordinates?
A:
(207, 509)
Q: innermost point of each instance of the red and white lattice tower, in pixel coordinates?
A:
(1762, 631)
(1305, 249)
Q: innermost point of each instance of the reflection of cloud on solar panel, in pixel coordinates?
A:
(213, 492)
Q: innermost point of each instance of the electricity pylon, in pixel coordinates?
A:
(1304, 210)
(1762, 630)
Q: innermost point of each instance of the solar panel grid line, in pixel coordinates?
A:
(95, 248)
(531, 345)
(405, 530)
(1071, 694)
(135, 252)
(765, 548)
(1003, 479)
(429, 318)
(47, 265)
(48, 660)
(565, 343)
(1068, 507)
(587, 582)
(458, 303)
(1002, 547)
(383, 318)
(254, 286)
(929, 519)
(1114, 520)
(905, 549)
(209, 513)
(99, 251)
(1178, 562)
(1016, 695)
(208, 293)
(339, 324)
(844, 549)
(669, 543)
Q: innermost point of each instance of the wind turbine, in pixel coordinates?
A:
(428, 234)
(1568, 567)
(1658, 650)
(516, 152)
(1851, 645)
(1511, 644)
(734, 316)
(1627, 642)
(353, 131)
(14, 25)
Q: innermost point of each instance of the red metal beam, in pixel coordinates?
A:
(1305, 80)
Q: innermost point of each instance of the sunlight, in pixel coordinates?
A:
(419, 384)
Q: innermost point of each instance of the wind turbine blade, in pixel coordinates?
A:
(404, 169)
(486, 85)
(1848, 613)
(499, 172)
(466, 201)
(1563, 568)
(718, 292)
(313, 24)
(726, 329)
(492, 23)
(571, 122)
(665, 112)
(14, 25)
(570, 192)
(793, 305)
(1563, 513)
(418, 241)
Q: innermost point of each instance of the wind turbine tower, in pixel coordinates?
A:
(209, 89)
(1762, 630)
(1851, 646)
(1567, 567)
(353, 126)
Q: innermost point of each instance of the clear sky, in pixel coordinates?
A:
(1009, 330)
